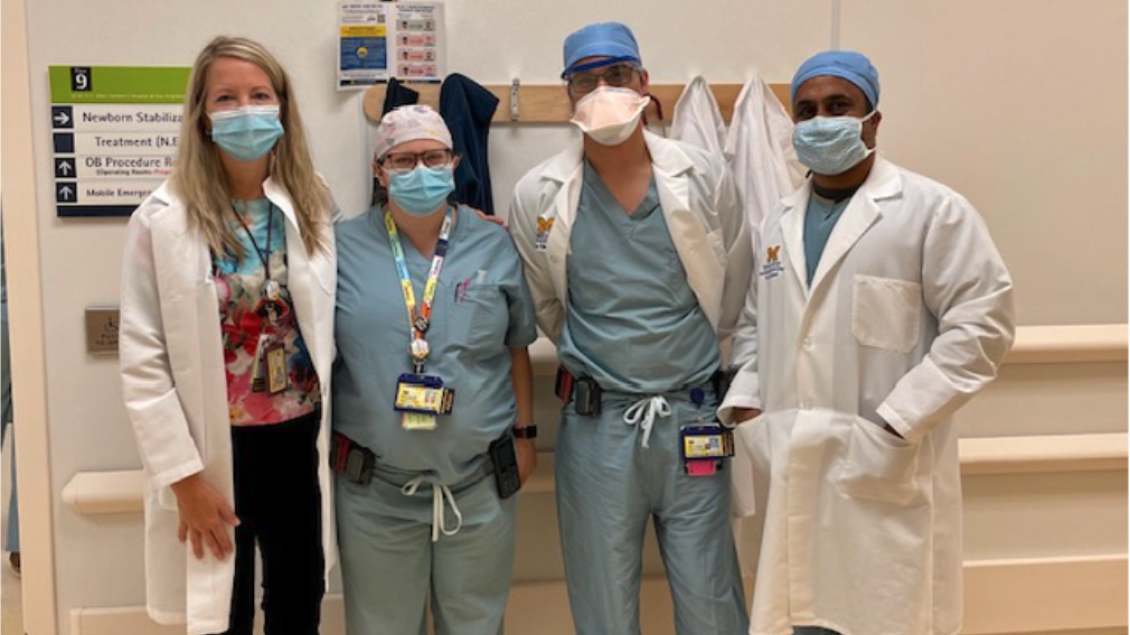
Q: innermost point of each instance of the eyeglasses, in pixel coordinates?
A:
(584, 82)
(407, 161)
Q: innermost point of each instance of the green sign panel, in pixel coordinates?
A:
(115, 132)
(118, 84)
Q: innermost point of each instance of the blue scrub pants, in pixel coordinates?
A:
(12, 543)
(389, 563)
(607, 488)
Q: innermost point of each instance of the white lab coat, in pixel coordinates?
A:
(908, 316)
(698, 121)
(759, 147)
(173, 381)
(699, 203)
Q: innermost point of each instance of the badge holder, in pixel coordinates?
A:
(705, 445)
(269, 371)
(420, 399)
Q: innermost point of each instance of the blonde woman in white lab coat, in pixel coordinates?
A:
(879, 306)
(226, 348)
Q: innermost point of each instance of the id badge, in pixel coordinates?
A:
(423, 394)
(259, 368)
(705, 441)
(704, 447)
(277, 380)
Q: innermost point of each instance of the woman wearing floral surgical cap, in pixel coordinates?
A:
(432, 421)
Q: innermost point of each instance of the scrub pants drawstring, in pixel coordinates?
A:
(439, 493)
(644, 411)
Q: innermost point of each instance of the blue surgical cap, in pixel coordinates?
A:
(849, 65)
(604, 39)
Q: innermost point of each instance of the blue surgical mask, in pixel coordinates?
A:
(831, 145)
(421, 191)
(247, 133)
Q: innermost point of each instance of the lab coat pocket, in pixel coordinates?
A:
(879, 466)
(885, 313)
(748, 437)
(163, 497)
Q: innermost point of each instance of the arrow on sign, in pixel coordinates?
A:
(65, 168)
(65, 191)
(61, 118)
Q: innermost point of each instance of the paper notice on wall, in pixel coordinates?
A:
(419, 41)
(381, 40)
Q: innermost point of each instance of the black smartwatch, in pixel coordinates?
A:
(526, 432)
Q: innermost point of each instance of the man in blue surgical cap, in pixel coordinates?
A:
(879, 307)
(637, 259)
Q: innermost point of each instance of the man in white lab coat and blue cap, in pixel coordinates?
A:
(879, 307)
(637, 259)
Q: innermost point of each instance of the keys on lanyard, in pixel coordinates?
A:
(419, 397)
(271, 292)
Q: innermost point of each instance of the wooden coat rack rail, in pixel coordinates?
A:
(550, 104)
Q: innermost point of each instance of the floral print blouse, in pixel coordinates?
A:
(244, 317)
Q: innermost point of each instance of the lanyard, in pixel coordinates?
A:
(270, 290)
(419, 321)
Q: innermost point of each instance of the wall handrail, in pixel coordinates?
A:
(1070, 344)
(91, 493)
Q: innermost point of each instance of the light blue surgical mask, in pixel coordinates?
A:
(247, 133)
(831, 145)
(421, 191)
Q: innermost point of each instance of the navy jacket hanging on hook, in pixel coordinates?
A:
(397, 95)
(468, 108)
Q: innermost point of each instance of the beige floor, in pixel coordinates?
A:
(11, 613)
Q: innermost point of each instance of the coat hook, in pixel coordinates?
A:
(514, 85)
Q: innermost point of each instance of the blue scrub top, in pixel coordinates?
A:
(819, 220)
(482, 308)
(632, 321)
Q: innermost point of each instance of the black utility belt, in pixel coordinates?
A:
(587, 395)
(704, 445)
(356, 462)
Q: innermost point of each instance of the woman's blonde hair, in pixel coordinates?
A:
(199, 177)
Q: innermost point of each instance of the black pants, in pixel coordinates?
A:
(279, 505)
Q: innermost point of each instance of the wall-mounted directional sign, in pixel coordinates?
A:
(114, 134)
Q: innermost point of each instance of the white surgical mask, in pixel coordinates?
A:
(831, 145)
(609, 114)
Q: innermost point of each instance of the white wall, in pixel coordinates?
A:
(1019, 104)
